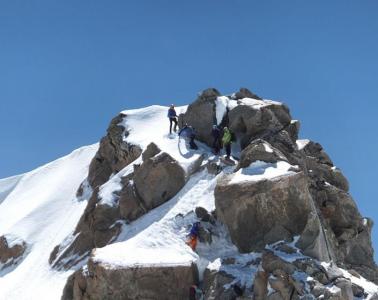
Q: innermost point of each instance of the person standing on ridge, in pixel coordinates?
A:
(172, 116)
(226, 141)
(216, 133)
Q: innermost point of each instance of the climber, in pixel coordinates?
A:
(226, 141)
(193, 236)
(188, 132)
(172, 118)
(195, 293)
(216, 133)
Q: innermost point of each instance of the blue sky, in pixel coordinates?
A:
(67, 67)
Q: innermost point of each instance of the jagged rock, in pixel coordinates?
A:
(151, 150)
(332, 175)
(158, 179)
(201, 115)
(260, 285)
(10, 252)
(251, 209)
(130, 205)
(155, 282)
(311, 268)
(250, 122)
(357, 252)
(113, 154)
(340, 209)
(346, 288)
(259, 150)
(214, 283)
(245, 93)
(313, 241)
(202, 214)
(281, 284)
(293, 130)
(282, 141)
(315, 150)
(358, 291)
(271, 263)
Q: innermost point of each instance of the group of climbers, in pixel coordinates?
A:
(221, 137)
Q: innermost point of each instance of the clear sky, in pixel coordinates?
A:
(67, 67)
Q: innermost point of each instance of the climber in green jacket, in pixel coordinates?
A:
(226, 141)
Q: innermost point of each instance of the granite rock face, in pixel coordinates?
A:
(100, 282)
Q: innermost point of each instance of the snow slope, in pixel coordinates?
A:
(40, 208)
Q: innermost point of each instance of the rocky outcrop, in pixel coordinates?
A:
(158, 179)
(285, 280)
(244, 93)
(10, 253)
(262, 212)
(152, 282)
(249, 122)
(201, 115)
(259, 150)
(113, 154)
(214, 285)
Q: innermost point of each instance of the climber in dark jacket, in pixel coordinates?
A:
(172, 116)
(189, 133)
(216, 133)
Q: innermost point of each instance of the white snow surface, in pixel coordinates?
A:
(261, 170)
(150, 124)
(41, 209)
(302, 143)
(222, 104)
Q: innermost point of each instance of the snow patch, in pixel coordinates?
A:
(108, 189)
(223, 104)
(260, 170)
(302, 143)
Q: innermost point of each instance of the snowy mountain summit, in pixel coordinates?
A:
(141, 215)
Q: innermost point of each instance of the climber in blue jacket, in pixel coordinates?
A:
(172, 116)
(188, 132)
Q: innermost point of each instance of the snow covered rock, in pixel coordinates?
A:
(259, 211)
(252, 118)
(245, 93)
(259, 150)
(11, 250)
(113, 155)
(102, 281)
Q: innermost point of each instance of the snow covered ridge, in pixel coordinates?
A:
(38, 210)
(279, 223)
